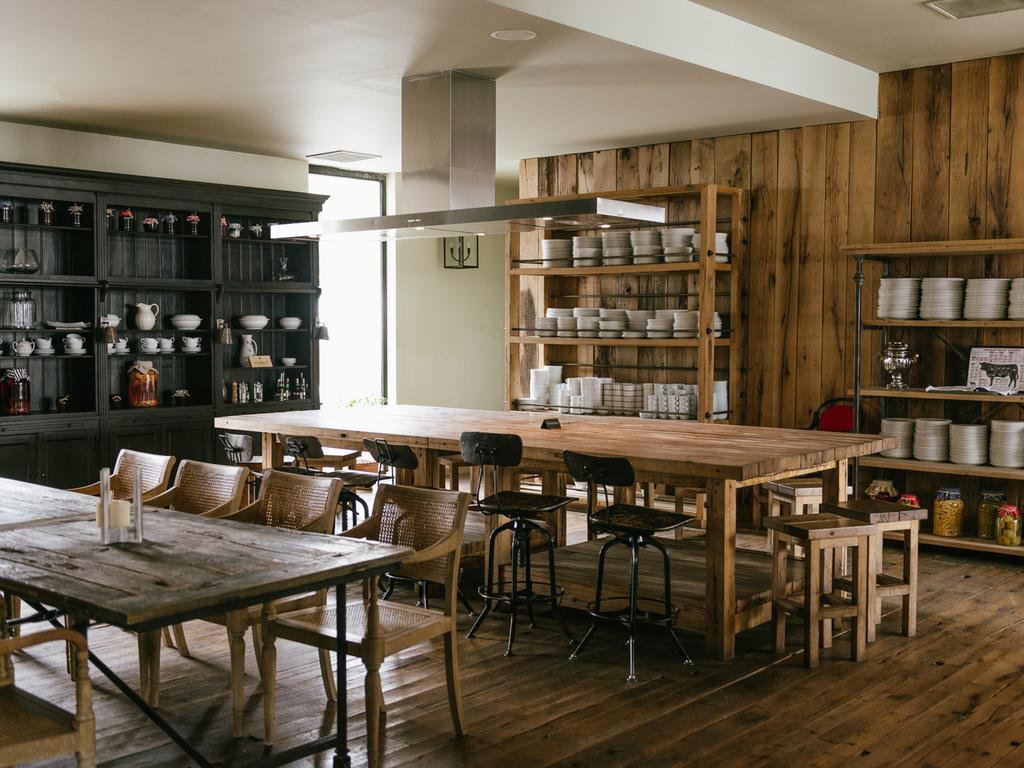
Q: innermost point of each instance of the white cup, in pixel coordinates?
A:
(190, 342)
(166, 344)
(121, 345)
(73, 342)
(148, 345)
(42, 343)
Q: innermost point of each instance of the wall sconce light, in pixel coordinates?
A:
(462, 252)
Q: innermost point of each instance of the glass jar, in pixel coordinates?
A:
(948, 513)
(1008, 526)
(142, 378)
(988, 505)
(17, 393)
(19, 311)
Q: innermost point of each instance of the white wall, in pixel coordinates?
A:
(37, 145)
(449, 342)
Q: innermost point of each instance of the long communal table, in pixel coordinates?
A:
(722, 457)
(187, 568)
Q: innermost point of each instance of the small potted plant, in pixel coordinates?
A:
(255, 231)
(169, 220)
(151, 224)
(111, 219)
(6, 212)
(46, 210)
(223, 226)
(75, 211)
(193, 223)
(181, 397)
(127, 218)
(234, 230)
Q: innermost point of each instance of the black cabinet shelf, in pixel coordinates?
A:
(38, 278)
(175, 283)
(268, 241)
(174, 236)
(270, 287)
(49, 227)
(57, 356)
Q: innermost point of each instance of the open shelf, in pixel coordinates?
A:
(969, 543)
(578, 342)
(935, 248)
(943, 468)
(53, 227)
(920, 394)
(630, 269)
(944, 324)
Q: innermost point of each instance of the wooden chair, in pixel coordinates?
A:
(429, 521)
(156, 473)
(33, 729)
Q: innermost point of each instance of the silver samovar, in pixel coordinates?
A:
(896, 360)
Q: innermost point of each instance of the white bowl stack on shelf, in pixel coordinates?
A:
(1006, 444)
(612, 323)
(636, 326)
(904, 430)
(668, 401)
(720, 400)
(721, 246)
(587, 251)
(968, 443)
(541, 380)
(898, 297)
(677, 244)
(942, 298)
(646, 246)
(931, 439)
(660, 328)
(547, 326)
(622, 399)
(617, 248)
(556, 253)
(986, 298)
(587, 321)
(1016, 309)
(684, 324)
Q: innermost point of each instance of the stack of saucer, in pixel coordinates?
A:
(684, 325)
(1006, 444)
(1016, 308)
(968, 443)
(904, 430)
(721, 245)
(556, 253)
(588, 327)
(678, 244)
(637, 325)
(540, 382)
(931, 439)
(617, 247)
(586, 251)
(611, 329)
(898, 297)
(986, 298)
(559, 312)
(659, 328)
(547, 326)
(942, 298)
(567, 327)
(646, 246)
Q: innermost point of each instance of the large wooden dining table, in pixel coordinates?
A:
(722, 457)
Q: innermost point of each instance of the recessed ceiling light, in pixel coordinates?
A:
(514, 35)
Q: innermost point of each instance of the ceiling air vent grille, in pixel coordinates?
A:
(340, 156)
(965, 9)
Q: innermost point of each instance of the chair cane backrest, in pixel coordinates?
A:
(201, 487)
(299, 502)
(156, 472)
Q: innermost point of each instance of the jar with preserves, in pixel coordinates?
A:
(1008, 526)
(988, 505)
(142, 378)
(948, 513)
(17, 393)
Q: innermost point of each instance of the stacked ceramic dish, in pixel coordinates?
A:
(684, 324)
(904, 430)
(986, 298)
(721, 246)
(556, 253)
(1016, 309)
(677, 244)
(942, 298)
(620, 398)
(931, 439)
(636, 327)
(1006, 444)
(547, 326)
(587, 319)
(968, 443)
(617, 248)
(586, 251)
(646, 246)
(612, 323)
(898, 297)
(720, 400)
(660, 328)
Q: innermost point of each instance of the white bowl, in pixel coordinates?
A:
(289, 323)
(254, 322)
(186, 322)
(288, 362)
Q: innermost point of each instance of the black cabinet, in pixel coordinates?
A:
(187, 437)
(69, 458)
(18, 457)
(190, 440)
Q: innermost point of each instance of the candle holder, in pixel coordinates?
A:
(120, 522)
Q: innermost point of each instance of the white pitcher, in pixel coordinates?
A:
(247, 350)
(145, 316)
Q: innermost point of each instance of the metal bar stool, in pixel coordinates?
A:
(238, 450)
(304, 449)
(633, 527)
(484, 450)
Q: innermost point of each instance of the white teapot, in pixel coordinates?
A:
(145, 316)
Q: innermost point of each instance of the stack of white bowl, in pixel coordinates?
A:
(646, 246)
(721, 246)
(586, 251)
(547, 326)
(968, 443)
(1006, 445)
(942, 298)
(986, 298)
(659, 328)
(559, 395)
(931, 439)
(617, 248)
(720, 400)
(904, 430)
(612, 323)
(587, 321)
(539, 384)
(678, 244)
(636, 326)
(684, 324)
(1016, 309)
(556, 253)
(898, 297)
(567, 327)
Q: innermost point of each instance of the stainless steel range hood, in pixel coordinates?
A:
(448, 130)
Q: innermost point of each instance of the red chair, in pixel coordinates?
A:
(834, 415)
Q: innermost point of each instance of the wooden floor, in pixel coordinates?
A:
(950, 697)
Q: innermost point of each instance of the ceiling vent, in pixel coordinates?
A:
(965, 9)
(341, 156)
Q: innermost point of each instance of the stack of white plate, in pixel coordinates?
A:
(720, 400)
(547, 326)
(718, 326)
(658, 328)
(942, 298)
(560, 312)
(931, 439)
(646, 246)
(567, 327)
(588, 327)
(636, 327)
(684, 325)
(678, 244)
(986, 298)
(721, 243)
(904, 430)
(617, 247)
(539, 385)
(586, 312)
(556, 253)
(968, 443)
(611, 329)
(586, 251)
(898, 297)
(1006, 444)
(1016, 308)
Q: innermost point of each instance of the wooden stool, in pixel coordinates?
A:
(698, 496)
(887, 516)
(821, 536)
(450, 464)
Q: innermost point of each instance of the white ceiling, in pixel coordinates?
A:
(882, 35)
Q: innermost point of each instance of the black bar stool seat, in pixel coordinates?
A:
(634, 520)
(531, 506)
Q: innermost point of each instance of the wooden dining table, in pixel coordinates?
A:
(721, 457)
(187, 567)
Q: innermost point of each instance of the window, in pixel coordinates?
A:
(352, 302)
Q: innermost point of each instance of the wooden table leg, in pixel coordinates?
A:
(273, 455)
(425, 475)
(269, 654)
(720, 596)
(236, 645)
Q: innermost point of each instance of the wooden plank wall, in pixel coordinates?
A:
(945, 159)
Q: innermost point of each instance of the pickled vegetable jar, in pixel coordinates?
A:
(988, 505)
(948, 513)
(1008, 526)
(142, 378)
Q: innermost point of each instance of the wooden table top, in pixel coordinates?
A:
(24, 505)
(187, 567)
(678, 447)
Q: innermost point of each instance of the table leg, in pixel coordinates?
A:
(236, 645)
(273, 456)
(341, 756)
(720, 594)
(269, 654)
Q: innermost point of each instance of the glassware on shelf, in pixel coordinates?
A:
(193, 223)
(142, 380)
(111, 219)
(948, 513)
(988, 506)
(18, 311)
(75, 211)
(127, 218)
(283, 274)
(19, 261)
(6, 212)
(1008, 526)
(46, 210)
(169, 220)
(16, 392)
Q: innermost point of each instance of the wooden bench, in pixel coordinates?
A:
(887, 516)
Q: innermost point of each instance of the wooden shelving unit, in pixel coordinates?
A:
(703, 284)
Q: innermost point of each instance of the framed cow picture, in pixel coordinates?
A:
(998, 369)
